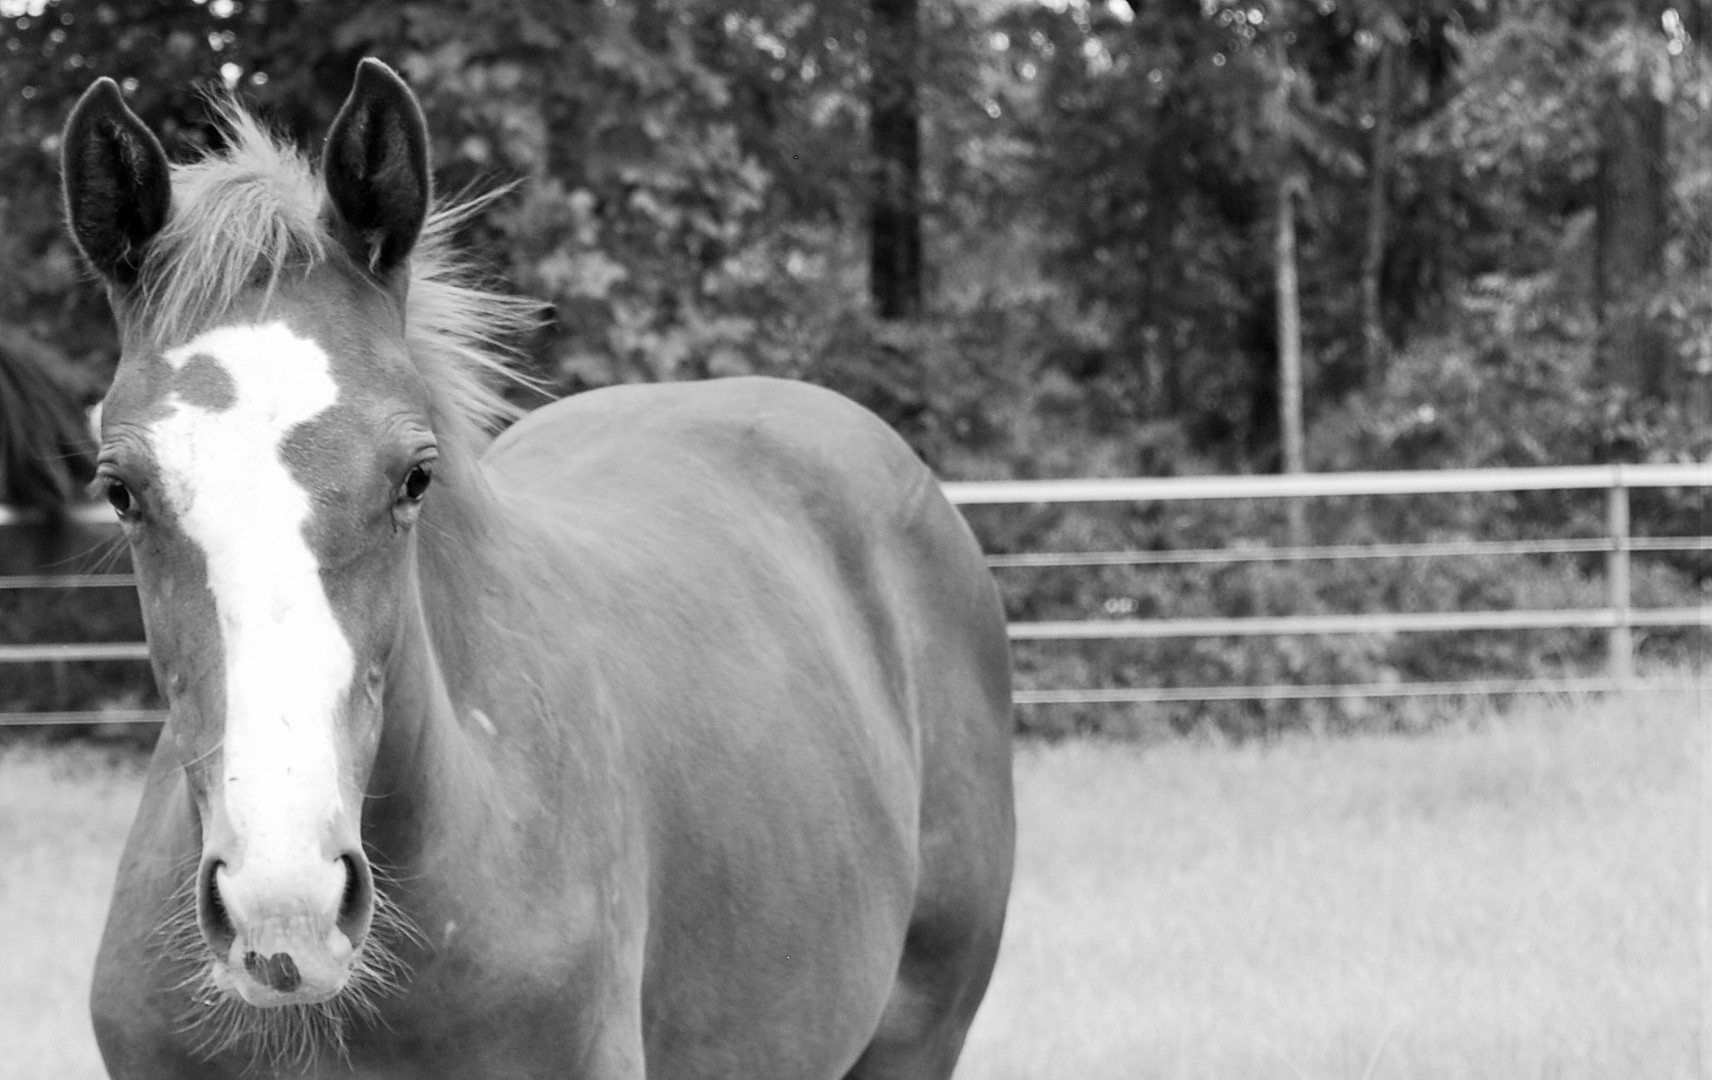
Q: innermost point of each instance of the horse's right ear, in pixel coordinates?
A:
(118, 187)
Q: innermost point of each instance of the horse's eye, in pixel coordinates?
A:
(416, 482)
(119, 498)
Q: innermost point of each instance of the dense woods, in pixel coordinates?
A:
(1042, 239)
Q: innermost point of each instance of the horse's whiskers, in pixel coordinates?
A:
(287, 1038)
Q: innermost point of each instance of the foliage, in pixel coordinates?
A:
(1511, 387)
(690, 184)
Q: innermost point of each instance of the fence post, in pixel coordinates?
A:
(1620, 652)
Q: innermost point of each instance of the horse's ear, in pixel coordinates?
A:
(376, 166)
(118, 188)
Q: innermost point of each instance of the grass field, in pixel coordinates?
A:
(1526, 897)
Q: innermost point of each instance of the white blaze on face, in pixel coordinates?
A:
(287, 661)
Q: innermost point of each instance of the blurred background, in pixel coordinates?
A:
(1051, 239)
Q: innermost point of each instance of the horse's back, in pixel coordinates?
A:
(825, 717)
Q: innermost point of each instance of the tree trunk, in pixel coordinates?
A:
(894, 132)
(1375, 345)
(1289, 342)
(1629, 241)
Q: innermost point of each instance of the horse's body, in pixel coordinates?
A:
(690, 758)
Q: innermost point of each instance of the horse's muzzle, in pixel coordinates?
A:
(285, 941)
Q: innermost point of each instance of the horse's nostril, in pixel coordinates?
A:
(210, 910)
(356, 903)
(350, 896)
(278, 971)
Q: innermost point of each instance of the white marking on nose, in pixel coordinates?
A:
(288, 663)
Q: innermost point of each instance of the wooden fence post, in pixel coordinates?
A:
(1620, 650)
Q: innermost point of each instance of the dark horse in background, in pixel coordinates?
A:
(665, 735)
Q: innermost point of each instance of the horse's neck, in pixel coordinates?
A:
(434, 760)
(467, 598)
(487, 671)
(472, 566)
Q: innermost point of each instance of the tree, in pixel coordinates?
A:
(1563, 117)
(894, 125)
(1375, 344)
(1631, 192)
(1285, 194)
(1290, 138)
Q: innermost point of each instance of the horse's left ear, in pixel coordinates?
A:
(376, 168)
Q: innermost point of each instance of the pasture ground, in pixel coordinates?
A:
(1526, 896)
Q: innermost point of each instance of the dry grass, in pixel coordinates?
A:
(1525, 898)
(63, 819)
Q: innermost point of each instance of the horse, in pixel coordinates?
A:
(665, 733)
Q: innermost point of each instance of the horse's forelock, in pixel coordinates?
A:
(253, 215)
(244, 216)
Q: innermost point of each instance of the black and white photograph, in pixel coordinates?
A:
(855, 540)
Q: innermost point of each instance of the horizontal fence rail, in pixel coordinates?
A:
(67, 581)
(1416, 622)
(1163, 695)
(74, 651)
(1335, 552)
(1617, 619)
(1322, 485)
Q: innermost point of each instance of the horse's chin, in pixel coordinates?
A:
(279, 1033)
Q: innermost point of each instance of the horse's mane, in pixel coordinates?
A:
(254, 214)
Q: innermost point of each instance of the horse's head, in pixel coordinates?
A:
(267, 443)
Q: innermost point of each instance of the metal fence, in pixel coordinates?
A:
(1618, 617)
